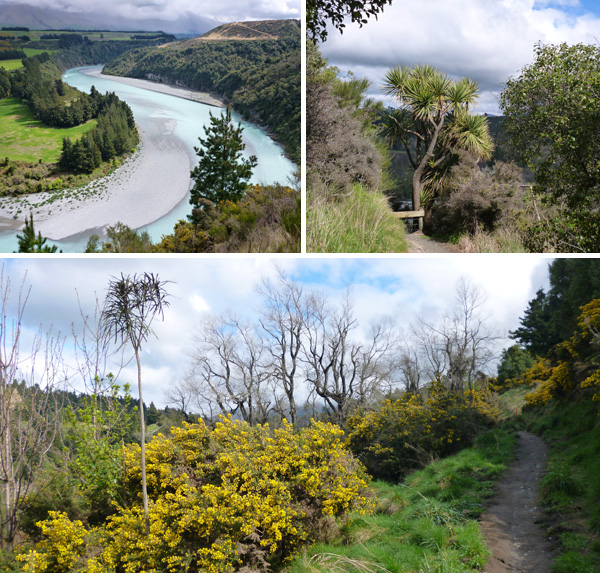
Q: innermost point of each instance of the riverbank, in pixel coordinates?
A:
(152, 182)
(168, 89)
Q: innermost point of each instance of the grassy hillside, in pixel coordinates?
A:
(261, 78)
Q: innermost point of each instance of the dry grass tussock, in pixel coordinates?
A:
(340, 563)
(498, 241)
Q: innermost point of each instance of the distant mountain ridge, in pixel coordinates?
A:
(38, 18)
(259, 30)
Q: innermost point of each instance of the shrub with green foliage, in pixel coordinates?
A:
(514, 362)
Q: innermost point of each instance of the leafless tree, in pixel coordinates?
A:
(92, 351)
(28, 408)
(181, 394)
(131, 304)
(461, 345)
(342, 370)
(284, 321)
(229, 370)
(410, 369)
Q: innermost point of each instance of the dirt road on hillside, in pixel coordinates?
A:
(512, 524)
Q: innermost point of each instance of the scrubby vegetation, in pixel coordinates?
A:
(346, 210)
(265, 220)
(228, 499)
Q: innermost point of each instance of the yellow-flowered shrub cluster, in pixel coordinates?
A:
(61, 547)
(230, 498)
(571, 365)
(409, 432)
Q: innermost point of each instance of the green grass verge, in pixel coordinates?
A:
(23, 138)
(571, 486)
(361, 222)
(427, 523)
(512, 401)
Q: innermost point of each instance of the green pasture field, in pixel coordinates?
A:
(23, 138)
(17, 64)
(10, 65)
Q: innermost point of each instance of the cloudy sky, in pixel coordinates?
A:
(398, 287)
(486, 40)
(184, 15)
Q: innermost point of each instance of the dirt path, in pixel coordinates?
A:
(511, 525)
(420, 243)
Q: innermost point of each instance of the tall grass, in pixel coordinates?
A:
(361, 222)
(427, 523)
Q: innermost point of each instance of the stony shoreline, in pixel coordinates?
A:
(152, 182)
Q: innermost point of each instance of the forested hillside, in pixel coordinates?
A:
(255, 66)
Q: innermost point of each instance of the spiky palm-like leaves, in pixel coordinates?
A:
(131, 304)
(433, 121)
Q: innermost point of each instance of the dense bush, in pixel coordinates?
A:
(409, 432)
(236, 498)
(339, 150)
(514, 362)
(480, 198)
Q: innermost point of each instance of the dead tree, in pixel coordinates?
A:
(29, 408)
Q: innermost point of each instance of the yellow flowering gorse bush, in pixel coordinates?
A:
(572, 364)
(233, 497)
(61, 546)
(407, 433)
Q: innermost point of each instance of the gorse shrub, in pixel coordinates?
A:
(59, 550)
(236, 498)
(572, 365)
(409, 432)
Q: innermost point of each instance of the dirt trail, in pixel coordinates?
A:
(420, 243)
(512, 524)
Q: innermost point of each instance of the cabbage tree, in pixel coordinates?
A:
(433, 121)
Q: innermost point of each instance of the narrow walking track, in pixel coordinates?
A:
(420, 243)
(512, 524)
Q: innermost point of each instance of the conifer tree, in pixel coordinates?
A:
(30, 243)
(222, 173)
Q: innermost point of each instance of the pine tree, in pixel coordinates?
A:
(221, 174)
(30, 243)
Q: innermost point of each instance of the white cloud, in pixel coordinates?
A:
(487, 40)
